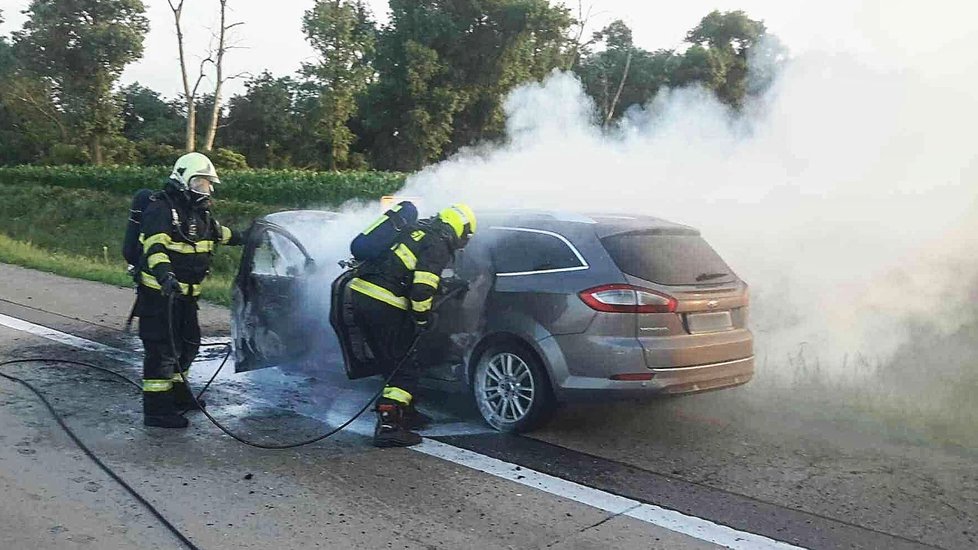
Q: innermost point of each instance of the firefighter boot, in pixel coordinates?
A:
(183, 400)
(159, 411)
(391, 430)
(415, 419)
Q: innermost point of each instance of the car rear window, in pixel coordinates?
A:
(668, 259)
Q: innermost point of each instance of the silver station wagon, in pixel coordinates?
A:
(561, 307)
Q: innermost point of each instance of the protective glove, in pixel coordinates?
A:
(247, 233)
(170, 285)
(424, 322)
(453, 284)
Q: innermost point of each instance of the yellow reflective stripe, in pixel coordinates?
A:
(426, 278)
(375, 225)
(177, 378)
(225, 235)
(159, 238)
(150, 281)
(417, 235)
(157, 385)
(421, 307)
(406, 256)
(397, 394)
(184, 248)
(379, 293)
(156, 259)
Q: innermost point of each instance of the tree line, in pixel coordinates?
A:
(396, 96)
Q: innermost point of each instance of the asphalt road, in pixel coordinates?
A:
(597, 477)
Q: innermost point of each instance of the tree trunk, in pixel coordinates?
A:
(331, 159)
(190, 134)
(95, 148)
(621, 86)
(215, 116)
(216, 110)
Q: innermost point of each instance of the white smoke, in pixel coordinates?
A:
(844, 196)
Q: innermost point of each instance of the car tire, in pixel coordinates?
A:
(511, 389)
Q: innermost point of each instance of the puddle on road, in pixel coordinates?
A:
(328, 397)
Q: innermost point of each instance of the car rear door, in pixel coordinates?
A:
(269, 324)
(539, 273)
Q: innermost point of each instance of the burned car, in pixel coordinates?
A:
(560, 307)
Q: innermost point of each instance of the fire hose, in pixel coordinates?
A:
(240, 439)
(196, 399)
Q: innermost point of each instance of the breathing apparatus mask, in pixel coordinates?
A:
(200, 189)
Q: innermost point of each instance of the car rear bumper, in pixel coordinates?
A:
(704, 377)
(689, 350)
(665, 381)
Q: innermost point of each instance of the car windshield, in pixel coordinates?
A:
(668, 259)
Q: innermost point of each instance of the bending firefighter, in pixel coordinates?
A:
(392, 297)
(178, 236)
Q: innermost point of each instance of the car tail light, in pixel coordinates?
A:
(632, 376)
(628, 299)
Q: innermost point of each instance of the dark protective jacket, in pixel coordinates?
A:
(408, 275)
(179, 237)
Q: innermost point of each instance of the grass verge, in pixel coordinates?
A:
(78, 233)
(217, 289)
(924, 394)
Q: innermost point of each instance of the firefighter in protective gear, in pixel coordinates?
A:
(392, 300)
(179, 236)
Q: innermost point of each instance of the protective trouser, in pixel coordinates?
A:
(389, 332)
(164, 392)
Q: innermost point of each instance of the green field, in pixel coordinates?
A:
(292, 188)
(52, 222)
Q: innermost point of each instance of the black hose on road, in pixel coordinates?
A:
(88, 452)
(108, 471)
(282, 446)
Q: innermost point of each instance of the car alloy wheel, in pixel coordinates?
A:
(507, 388)
(511, 389)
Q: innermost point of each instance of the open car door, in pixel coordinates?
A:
(358, 359)
(269, 324)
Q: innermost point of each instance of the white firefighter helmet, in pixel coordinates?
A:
(193, 165)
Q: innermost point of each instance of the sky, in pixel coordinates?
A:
(272, 38)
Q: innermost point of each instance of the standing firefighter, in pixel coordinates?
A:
(178, 237)
(392, 299)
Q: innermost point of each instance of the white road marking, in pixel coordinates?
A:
(674, 521)
(616, 505)
(70, 340)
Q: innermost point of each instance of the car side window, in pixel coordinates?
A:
(276, 256)
(517, 250)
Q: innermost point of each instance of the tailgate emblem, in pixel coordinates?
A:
(712, 304)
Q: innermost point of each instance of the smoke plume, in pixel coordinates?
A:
(844, 196)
